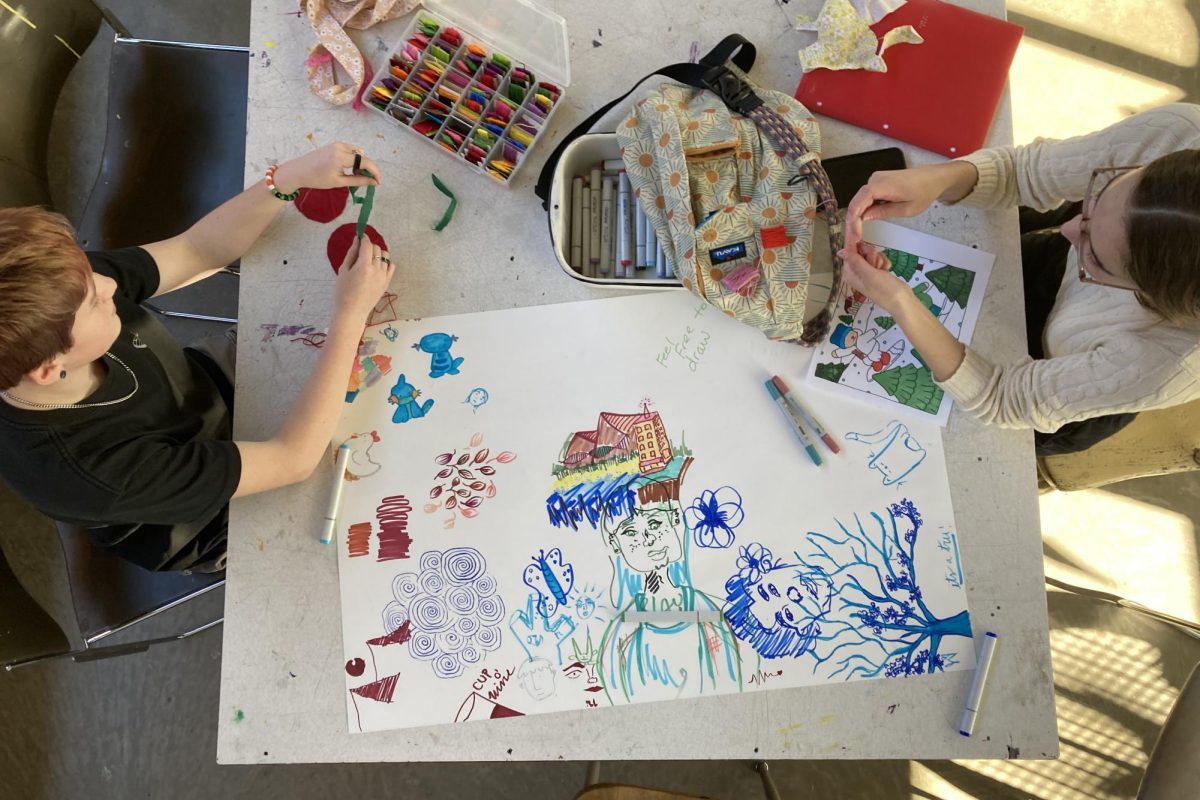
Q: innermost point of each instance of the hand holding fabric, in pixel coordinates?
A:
(327, 167)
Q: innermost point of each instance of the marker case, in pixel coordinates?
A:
(467, 77)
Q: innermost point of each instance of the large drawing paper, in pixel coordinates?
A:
(867, 357)
(594, 504)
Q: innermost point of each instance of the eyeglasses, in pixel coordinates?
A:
(1086, 254)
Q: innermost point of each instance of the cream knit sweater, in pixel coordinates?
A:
(1105, 354)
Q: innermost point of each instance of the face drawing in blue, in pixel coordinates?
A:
(774, 607)
(789, 597)
(438, 346)
(477, 397)
(404, 396)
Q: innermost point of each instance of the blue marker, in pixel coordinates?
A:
(796, 426)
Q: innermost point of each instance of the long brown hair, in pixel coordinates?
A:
(1164, 236)
(43, 280)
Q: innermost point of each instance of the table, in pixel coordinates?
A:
(282, 683)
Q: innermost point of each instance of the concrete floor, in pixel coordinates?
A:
(145, 725)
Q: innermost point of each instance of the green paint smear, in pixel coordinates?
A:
(239, 716)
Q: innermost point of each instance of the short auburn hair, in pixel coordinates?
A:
(43, 281)
(1164, 236)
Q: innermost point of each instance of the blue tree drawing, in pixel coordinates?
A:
(879, 623)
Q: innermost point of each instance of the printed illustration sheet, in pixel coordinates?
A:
(868, 357)
(593, 504)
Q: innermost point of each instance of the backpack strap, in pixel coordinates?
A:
(808, 166)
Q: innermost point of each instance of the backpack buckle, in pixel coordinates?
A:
(735, 92)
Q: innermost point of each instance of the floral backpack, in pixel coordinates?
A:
(731, 177)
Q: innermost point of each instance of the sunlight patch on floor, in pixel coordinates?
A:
(1135, 26)
(1111, 699)
(1113, 543)
(1057, 93)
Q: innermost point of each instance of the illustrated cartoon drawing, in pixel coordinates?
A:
(404, 396)
(666, 638)
(894, 451)
(775, 607)
(864, 345)
(361, 464)
(538, 634)
(438, 346)
(651, 573)
(536, 677)
(551, 579)
(477, 397)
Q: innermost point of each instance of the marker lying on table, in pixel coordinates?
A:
(975, 696)
(796, 426)
(808, 418)
(335, 493)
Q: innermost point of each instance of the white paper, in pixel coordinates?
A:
(519, 600)
(875, 363)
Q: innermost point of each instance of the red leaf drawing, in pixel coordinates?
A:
(476, 439)
(468, 512)
(478, 486)
(506, 457)
(472, 503)
(451, 501)
(448, 523)
(434, 492)
(445, 473)
(481, 456)
(466, 474)
(444, 458)
(464, 458)
(430, 508)
(454, 483)
(486, 470)
(462, 492)
(491, 490)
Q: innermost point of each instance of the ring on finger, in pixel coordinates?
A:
(387, 261)
(357, 162)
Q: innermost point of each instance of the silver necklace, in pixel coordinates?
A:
(51, 406)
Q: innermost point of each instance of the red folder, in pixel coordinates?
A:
(940, 95)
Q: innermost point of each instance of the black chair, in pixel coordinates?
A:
(27, 632)
(38, 48)
(108, 595)
(174, 150)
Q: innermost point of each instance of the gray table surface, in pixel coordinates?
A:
(282, 682)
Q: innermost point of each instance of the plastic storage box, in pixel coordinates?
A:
(479, 79)
(578, 159)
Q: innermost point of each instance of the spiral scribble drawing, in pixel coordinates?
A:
(452, 608)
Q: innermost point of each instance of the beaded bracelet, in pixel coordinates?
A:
(287, 198)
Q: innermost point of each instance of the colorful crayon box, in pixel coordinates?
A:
(478, 79)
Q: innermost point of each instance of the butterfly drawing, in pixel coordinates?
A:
(551, 579)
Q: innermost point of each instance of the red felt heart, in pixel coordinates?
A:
(322, 205)
(341, 239)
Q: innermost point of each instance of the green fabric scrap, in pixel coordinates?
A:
(449, 215)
